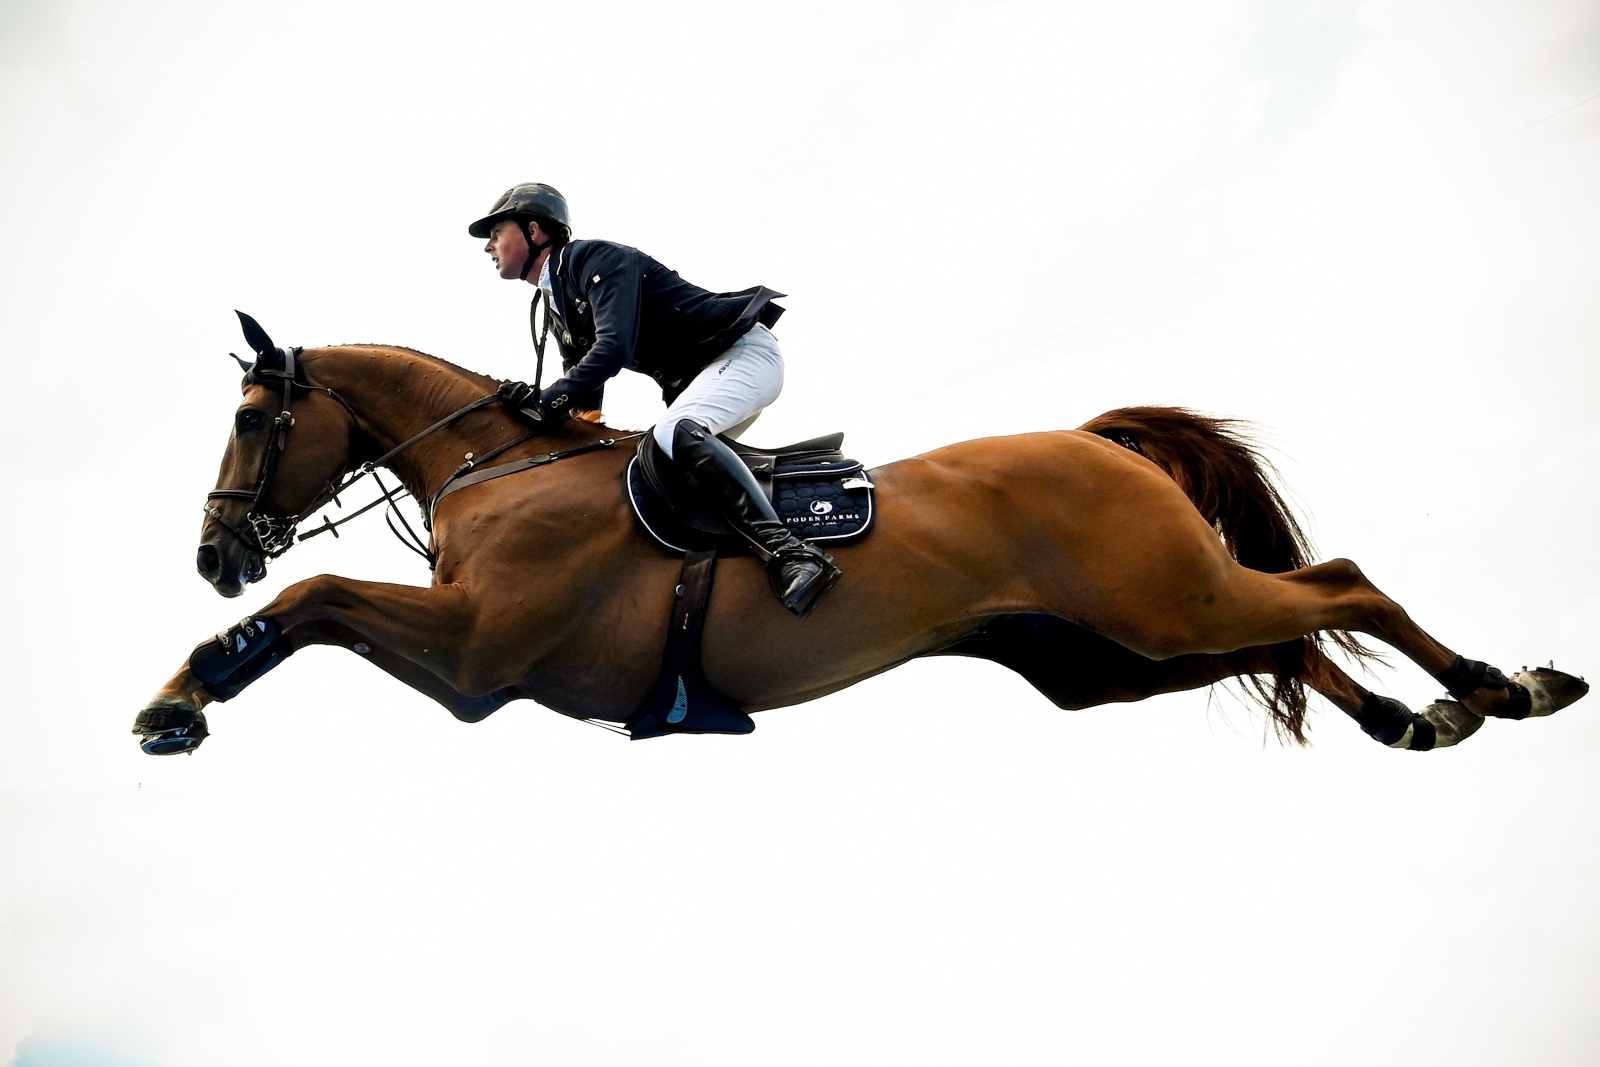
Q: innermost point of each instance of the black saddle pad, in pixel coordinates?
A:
(820, 494)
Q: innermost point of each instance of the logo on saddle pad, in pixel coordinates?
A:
(820, 507)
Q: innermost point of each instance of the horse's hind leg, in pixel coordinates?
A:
(1249, 607)
(1386, 720)
(1477, 687)
(1077, 668)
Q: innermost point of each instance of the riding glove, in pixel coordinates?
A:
(516, 394)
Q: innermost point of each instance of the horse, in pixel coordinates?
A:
(1145, 552)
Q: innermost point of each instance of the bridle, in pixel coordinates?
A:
(272, 535)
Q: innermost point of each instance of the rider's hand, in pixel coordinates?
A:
(559, 400)
(516, 394)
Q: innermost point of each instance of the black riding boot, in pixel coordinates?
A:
(800, 572)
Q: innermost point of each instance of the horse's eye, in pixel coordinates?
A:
(250, 419)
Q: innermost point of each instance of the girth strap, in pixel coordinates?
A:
(682, 702)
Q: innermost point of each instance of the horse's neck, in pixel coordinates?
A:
(397, 393)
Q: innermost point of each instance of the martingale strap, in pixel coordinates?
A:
(465, 475)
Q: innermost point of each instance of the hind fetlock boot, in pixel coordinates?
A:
(800, 573)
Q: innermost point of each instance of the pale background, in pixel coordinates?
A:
(1382, 223)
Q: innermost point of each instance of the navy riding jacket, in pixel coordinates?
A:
(613, 307)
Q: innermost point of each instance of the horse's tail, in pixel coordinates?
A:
(1215, 462)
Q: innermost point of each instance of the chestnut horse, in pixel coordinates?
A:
(1143, 553)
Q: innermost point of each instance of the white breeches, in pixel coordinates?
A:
(731, 390)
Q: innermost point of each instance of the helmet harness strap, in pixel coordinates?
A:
(534, 248)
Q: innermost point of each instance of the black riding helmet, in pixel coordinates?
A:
(530, 200)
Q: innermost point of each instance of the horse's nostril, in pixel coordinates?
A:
(209, 562)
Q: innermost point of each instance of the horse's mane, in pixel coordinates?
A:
(427, 356)
(581, 422)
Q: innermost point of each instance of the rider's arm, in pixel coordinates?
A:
(611, 280)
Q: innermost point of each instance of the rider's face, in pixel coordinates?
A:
(508, 247)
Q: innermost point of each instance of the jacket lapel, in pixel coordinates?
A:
(558, 301)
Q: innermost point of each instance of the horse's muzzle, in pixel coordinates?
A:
(228, 565)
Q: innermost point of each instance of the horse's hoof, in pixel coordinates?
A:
(1453, 722)
(1549, 690)
(169, 726)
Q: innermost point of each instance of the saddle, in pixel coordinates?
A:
(819, 494)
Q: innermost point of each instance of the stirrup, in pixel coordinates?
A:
(802, 600)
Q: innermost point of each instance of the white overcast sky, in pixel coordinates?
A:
(1371, 228)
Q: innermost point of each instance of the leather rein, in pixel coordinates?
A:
(273, 535)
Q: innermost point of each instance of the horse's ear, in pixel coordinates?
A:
(253, 333)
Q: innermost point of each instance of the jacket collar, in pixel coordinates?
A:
(551, 272)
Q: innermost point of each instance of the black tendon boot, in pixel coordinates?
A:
(800, 572)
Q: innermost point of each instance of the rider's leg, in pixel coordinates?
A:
(731, 391)
(800, 573)
(728, 394)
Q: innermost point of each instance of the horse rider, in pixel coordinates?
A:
(611, 308)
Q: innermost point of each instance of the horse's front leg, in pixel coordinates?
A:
(420, 636)
(467, 708)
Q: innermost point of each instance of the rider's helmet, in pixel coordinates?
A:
(533, 200)
(524, 203)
